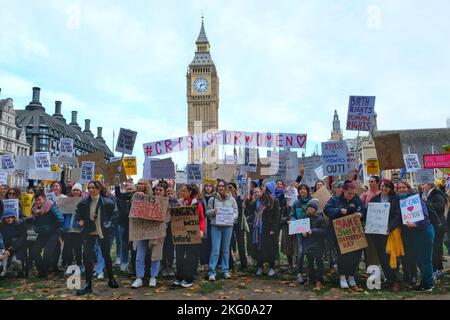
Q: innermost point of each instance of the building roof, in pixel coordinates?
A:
(202, 57)
(421, 141)
(202, 36)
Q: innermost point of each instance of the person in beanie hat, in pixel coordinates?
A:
(314, 243)
(14, 234)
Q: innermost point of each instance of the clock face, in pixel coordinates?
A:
(201, 85)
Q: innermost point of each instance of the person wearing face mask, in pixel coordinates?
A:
(48, 223)
(419, 243)
(337, 207)
(221, 234)
(387, 195)
(95, 215)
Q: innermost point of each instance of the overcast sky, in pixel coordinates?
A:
(283, 66)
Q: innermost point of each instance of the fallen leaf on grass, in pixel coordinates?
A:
(187, 294)
(242, 285)
(242, 298)
(160, 290)
(293, 285)
(224, 297)
(147, 294)
(284, 282)
(258, 291)
(279, 291)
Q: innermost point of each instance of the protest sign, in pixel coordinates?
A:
(161, 169)
(377, 218)
(141, 229)
(61, 160)
(224, 137)
(8, 163)
(412, 163)
(194, 173)
(436, 161)
(69, 204)
(323, 195)
(185, 225)
(350, 233)
(126, 140)
(224, 171)
(42, 160)
(130, 165)
(424, 175)
(250, 160)
(26, 201)
(360, 113)
(24, 163)
(97, 157)
(98, 177)
(35, 174)
(66, 147)
(411, 208)
(446, 150)
(149, 207)
(11, 206)
(87, 171)
(372, 166)
(334, 158)
(225, 216)
(3, 177)
(351, 154)
(299, 226)
(319, 172)
(110, 170)
(389, 151)
(292, 166)
(75, 174)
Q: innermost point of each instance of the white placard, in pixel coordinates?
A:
(42, 161)
(319, 172)
(291, 195)
(225, 216)
(66, 147)
(87, 171)
(377, 218)
(34, 174)
(411, 209)
(126, 140)
(8, 163)
(412, 163)
(3, 177)
(299, 226)
(11, 205)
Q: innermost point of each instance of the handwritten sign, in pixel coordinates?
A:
(42, 160)
(66, 147)
(149, 207)
(323, 195)
(141, 229)
(377, 218)
(291, 195)
(185, 225)
(319, 172)
(412, 163)
(425, 175)
(126, 140)
(8, 163)
(87, 171)
(351, 154)
(69, 204)
(372, 166)
(194, 173)
(130, 165)
(299, 226)
(411, 209)
(360, 113)
(3, 177)
(334, 158)
(225, 216)
(11, 206)
(26, 201)
(350, 233)
(436, 161)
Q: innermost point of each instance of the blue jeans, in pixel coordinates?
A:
(124, 243)
(141, 251)
(423, 247)
(220, 239)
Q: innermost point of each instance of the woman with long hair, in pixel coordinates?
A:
(206, 246)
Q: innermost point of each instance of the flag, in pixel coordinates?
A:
(403, 173)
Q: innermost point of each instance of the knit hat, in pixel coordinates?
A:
(313, 203)
(77, 186)
(8, 214)
(271, 187)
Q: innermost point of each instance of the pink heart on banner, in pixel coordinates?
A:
(410, 209)
(301, 140)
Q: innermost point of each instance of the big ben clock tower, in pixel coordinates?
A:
(202, 92)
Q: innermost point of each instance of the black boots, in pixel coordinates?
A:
(112, 283)
(87, 288)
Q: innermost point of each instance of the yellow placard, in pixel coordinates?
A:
(98, 177)
(373, 166)
(130, 165)
(54, 168)
(26, 201)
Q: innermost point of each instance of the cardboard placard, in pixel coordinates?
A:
(42, 160)
(224, 171)
(360, 113)
(66, 147)
(8, 163)
(334, 158)
(225, 216)
(141, 229)
(149, 207)
(69, 204)
(130, 165)
(323, 195)
(411, 208)
(389, 151)
(26, 201)
(126, 140)
(97, 157)
(299, 226)
(87, 171)
(350, 233)
(377, 218)
(110, 170)
(185, 225)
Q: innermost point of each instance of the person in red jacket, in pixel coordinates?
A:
(187, 254)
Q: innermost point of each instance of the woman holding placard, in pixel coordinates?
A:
(339, 206)
(422, 236)
(206, 246)
(289, 242)
(387, 195)
(223, 212)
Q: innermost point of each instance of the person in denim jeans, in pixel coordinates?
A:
(221, 234)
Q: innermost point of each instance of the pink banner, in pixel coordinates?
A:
(436, 161)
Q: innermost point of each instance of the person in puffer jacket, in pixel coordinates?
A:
(314, 243)
(221, 231)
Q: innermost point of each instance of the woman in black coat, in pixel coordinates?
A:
(379, 240)
(95, 215)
